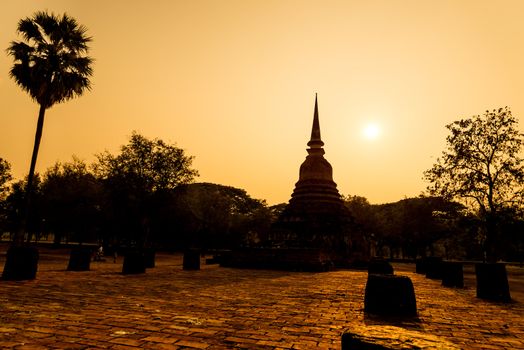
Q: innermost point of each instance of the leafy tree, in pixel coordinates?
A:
(134, 180)
(412, 226)
(388, 225)
(426, 220)
(364, 219)
(51, 65)
(5, 177)
(209, 216)
(481, 166)
(512, 237)
(362, 212)
(71, 201)
(276, 210)
(147, 165)
(15, 207)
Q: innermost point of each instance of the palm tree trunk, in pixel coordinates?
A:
(30, 177)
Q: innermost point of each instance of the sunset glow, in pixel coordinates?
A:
(371, 131)
(233, 83)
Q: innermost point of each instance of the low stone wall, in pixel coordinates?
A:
(289, 259)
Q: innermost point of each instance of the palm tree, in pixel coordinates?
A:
(52, 66)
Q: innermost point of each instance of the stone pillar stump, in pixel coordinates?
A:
(492, 282)
(433, 267)
(191, 259)
(21, 263)
(452, 274)
(79, 259)
(390, 295)
(149, 257)
(134, 262)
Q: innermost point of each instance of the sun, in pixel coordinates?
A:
(371, 131)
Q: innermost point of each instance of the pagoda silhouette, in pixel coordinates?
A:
(314, 231)
(316, 209)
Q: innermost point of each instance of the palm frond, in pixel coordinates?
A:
(20, 51)
(48, 22)
(29, 30)
(51, 64)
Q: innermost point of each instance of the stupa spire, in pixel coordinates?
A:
(316, 141)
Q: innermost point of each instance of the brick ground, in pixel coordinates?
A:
(221, 308)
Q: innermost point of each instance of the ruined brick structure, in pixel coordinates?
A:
(316, 216)
(314, 231)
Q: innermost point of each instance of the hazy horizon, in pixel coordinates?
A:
(233, 83)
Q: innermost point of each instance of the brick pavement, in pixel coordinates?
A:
(221, 308)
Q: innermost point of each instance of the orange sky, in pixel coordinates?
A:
(233, 83)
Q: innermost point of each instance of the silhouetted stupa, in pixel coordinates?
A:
(316, 216)
(314, 231)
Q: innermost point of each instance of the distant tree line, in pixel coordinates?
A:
(431, 226)
(142, 196)
(145, 196)
(473, 207)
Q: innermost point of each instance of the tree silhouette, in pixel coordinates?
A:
(52, 66)
(71, 201)
(15, 209)
(134, 180)
(5, 177)
(482, 167)
(211, 216)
